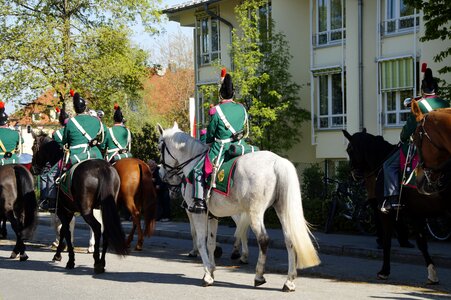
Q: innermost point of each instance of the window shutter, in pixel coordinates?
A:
(397, 74)
(326, 71)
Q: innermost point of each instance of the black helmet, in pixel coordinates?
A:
(118, 117)
(3, 115)
(226, 91)
(63, 116)
(79, 103)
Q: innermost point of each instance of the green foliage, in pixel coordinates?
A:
(80, 44)
(263, 81)
(313, 196)
(145, 143)
(436, 16)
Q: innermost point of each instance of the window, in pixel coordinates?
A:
(208, 41)
(264, 21)
(397, 83)
(399, 17)
(330, 22)
(332, 108)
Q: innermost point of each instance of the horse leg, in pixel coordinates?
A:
(241, 234)
(3, 232)
(65, 235)
(101, 268)
(199, 222)
(19, 248)
(194, 252)
(421, 239)
(387, 221)
(263, 240)
(211, 242)
(96, 227)
(136, 216)
(92, 239)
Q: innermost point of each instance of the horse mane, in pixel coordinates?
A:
(375, 147)
(182, 140)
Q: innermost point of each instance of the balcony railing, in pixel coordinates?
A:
(400, 25)
(330, 37)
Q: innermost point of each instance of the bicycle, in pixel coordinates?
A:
(350, 206)
(439, 227)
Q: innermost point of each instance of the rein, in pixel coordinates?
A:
(176, 170)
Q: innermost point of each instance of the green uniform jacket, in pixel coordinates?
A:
(79, 143)
(218, 133)
(117, 142)
(426, 105)
(10, 139)
(58, 136)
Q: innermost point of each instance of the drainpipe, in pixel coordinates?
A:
(360, 58)
(360, 32)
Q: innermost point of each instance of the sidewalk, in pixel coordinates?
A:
(333, 244)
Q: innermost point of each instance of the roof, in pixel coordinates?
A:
(187, 5)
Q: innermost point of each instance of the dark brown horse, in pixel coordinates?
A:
(95, 184)
(18, 204)
(433, 141)
(366, 156)
(137, 193)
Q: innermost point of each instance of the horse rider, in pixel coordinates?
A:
(428, 102)
(118, 139)
(10, 140)
(227, 125)
(83, 134)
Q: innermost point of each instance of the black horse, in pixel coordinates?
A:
(3, 231)
(18, 204)
(367, 153)
(95, 184)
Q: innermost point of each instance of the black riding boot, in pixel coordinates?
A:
(199, 206)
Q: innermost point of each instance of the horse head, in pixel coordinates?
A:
(357, 160)
(45, 150)
(179, 152)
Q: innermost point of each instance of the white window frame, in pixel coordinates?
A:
(208, 56)
(330, 115)
(399, 109)
(393, 25)
(329, 33)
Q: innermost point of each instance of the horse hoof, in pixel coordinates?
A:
(13, 255)
(190, 254)
(287, 289)
(244, 262)
(235, 255)
(218, 252)
(382, 276)
(24, 257)
(56, 258)
(138, 248)
(430, 282)
(70, 265)
(99, 268)
(259, 282)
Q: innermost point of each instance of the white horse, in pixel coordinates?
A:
(261, 179)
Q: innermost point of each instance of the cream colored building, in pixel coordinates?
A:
(369, 47)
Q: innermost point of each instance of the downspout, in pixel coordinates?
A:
(360, 58)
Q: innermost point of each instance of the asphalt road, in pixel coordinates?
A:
(163, 271)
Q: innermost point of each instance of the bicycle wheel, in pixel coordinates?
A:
(439, 227)
(331, 214)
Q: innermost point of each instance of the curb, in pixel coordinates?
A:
(397, 255)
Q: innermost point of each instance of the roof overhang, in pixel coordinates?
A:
(173, 12)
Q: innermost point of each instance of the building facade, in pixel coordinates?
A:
(355, 60)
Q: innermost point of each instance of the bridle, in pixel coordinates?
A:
(177, 168)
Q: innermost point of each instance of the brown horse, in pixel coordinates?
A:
(433, 140)
(137, 193)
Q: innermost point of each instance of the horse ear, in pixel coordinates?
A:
(347, 135)
(364, 130)
(33, 134)
(416, 110)
(176, 126)
(160, 129)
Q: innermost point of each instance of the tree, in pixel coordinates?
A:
(261, 58)
(436, 16)
(80, 44)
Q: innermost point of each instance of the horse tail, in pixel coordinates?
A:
(149, 196)
(107, 192)
(296, 227)
(25, 192)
